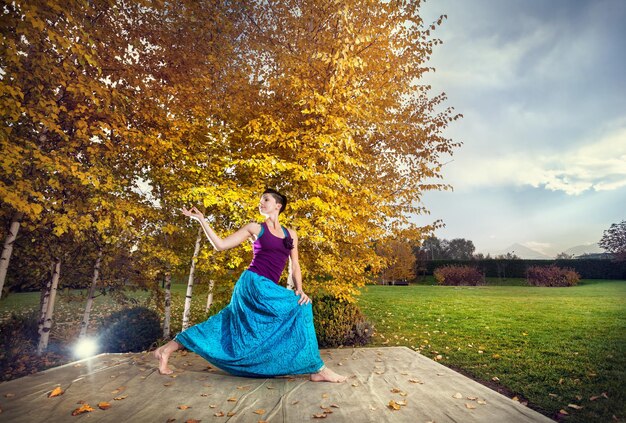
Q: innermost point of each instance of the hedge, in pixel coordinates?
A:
(586, 268)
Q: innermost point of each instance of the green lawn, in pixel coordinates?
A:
(550, 346)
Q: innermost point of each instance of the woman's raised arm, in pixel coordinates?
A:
(231, 241)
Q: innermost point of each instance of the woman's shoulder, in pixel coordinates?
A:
(254, 228)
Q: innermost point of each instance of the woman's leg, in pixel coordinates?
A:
(327, 375)
(163, 355)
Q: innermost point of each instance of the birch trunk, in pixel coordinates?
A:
(8, 247)
(44, 333)
(168, 304)
(92, 293)
(45, 296)
(192, 269)
(209, 298)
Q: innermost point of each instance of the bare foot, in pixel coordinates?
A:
(162, 354)
(327, 375)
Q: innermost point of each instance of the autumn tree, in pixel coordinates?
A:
(400, 260)
(614, 240)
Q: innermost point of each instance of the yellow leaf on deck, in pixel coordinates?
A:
(85, 408)
(56, 392)
(259, 411)
(104, 405)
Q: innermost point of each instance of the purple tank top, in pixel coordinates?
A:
(270, 253)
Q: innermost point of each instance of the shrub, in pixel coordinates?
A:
(339, 323)
(130, 330)
(551, 276)
(459, 275)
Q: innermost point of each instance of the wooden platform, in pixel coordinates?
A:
(381, 379)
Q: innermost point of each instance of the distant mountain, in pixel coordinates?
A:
(579, 250)
(524, 252)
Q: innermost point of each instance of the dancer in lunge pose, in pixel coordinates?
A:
(266, 330)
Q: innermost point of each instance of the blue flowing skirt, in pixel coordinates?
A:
(263, 332)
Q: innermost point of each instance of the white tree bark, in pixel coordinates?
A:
(209, 298)
(45, 296)
(192, 269)
(7, 249)
(90, 298)
(168, 304)
(44, 333)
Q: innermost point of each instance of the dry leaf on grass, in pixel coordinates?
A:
(104, 405)
(56, 392)
(259, 411)
(495, 379)
(574, 406)
(563, 412)
(85, 408)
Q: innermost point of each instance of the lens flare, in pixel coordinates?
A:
(86, 347)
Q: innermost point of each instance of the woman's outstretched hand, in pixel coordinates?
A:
(304, 299)
(193, 212)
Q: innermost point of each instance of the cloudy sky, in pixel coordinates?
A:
(541, 85)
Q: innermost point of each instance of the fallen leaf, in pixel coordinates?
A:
(416, 381)
(574, 406)
(326, 410)
(295, 402)
(270, 387)
(472, 398)
(9, 395)
(372, 408)
(604, 395)
(219, 414)
(393, 405)
(495, 379)
(212, 406)
(232, 399)
(56, 392)
(230, 414)
(355, 384)
(402, 403)
(482, 402)
(458, 395)
(243, 388)
(183, 407)
(470, 406)
(193, 421)
(319, 416)
(168, 384)
(85, 408)
(553, 395)
(396, 390)
(515, 399)
(334, 406)
(170, 420)
(120, 398)
(104, 405)
(563, 412)
(204, 395)
(259, 411)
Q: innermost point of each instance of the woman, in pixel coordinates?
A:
(266, 330)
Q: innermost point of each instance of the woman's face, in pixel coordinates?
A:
(268, 204)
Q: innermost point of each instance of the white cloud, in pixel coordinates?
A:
(598, 165)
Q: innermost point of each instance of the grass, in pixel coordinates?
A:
(550, 346)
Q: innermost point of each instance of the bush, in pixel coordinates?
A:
(131, 330)
(551, 276)
(459, 275)
(339, 323)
